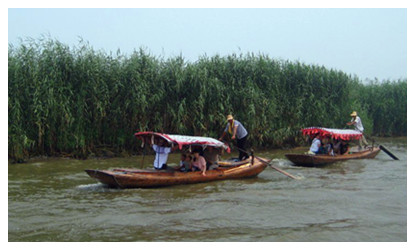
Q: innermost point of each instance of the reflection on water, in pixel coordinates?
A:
(358, 200)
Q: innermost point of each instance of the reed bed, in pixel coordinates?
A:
(76, 101)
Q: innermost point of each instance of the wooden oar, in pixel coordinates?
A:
(388, 152)
(279, 170)
(384, 149)
(272, 166)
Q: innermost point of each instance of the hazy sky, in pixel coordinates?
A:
(368, 43)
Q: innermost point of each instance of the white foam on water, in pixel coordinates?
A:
(92, 187)
(281, 162)
(286, 164)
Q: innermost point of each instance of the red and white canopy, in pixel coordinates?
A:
(183, 140)
(344, 134)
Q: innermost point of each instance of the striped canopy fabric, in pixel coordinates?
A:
(184, 140)
(343, 134)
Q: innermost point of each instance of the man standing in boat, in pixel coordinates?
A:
(162, 153)
(238, 132)
(357, 122)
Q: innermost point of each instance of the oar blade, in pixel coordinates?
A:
(388, 152)
(285, 173)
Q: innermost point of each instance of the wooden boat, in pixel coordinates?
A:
(146, 178)
(317, 160)
(138, 178)
(320, 160)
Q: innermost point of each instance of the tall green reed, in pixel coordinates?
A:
(73, 101)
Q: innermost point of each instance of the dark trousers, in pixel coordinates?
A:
(241, 144)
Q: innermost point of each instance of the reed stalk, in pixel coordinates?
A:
(73, 101)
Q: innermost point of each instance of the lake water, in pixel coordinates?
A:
(357, 200)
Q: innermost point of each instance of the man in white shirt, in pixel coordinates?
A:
(357, 122)
(162, 154)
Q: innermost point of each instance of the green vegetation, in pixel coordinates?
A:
(74, 101)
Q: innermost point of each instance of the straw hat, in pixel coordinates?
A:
(354, 113)
(230, 117)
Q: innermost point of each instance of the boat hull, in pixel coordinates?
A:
(321, 160)
(138, 178)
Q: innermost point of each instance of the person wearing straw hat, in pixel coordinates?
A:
(357, 122)
(238, 132)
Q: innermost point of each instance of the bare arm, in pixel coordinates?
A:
(351, 122)
(203, 167)
(223, 135)
(234, 132)
(176, 146)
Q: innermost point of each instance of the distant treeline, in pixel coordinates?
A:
(73, 101)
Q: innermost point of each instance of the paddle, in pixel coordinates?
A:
(279, 170)
(272, 166)
(388, 153)
(384, 149)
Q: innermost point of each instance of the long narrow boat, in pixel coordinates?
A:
(317, 160)
(320, 160)
(146, 178)
(138, 178)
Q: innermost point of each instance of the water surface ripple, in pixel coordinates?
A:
(358, 200)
